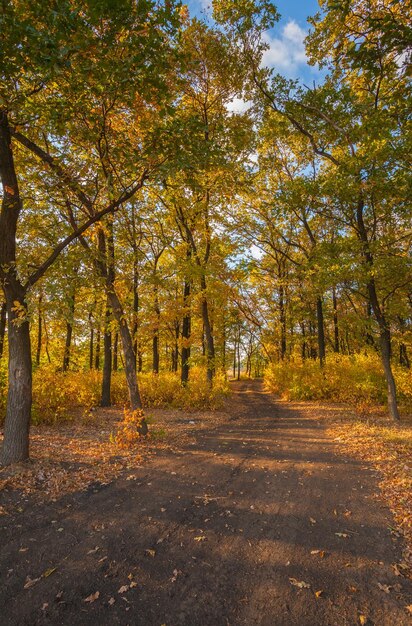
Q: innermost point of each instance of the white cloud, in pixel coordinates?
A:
(238, 105)
(287, 52)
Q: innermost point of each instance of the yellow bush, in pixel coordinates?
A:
(55, 394)
(127, 432)
(356, 379)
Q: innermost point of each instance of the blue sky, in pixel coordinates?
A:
(286, 51)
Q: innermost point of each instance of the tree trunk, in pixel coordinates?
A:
(238, 359)
(210, 344)
(135, 306)
(91, 343)
(186, 330)
(282, 315)
(107, 363)
(403, 356)
(3, 322)
(115, 351)
(97, 350)
(175, 348)
(321, 331)
(69, 334)
(336, 343)
(19, 396)
(39, 331)
(128, 353)
(234, 358)
(384, 330)
(155, 339)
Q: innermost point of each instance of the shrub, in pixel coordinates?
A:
(356, 379)
(56, 394)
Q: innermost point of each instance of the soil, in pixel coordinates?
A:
(256, 519)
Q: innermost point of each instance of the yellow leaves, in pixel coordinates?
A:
(127, 433)
(150, 552)
(49, 572)
(301, 584)
(319, 594)
(92, 598)
(200, 538)
(409, 609)
(320, 553)
(363, 620)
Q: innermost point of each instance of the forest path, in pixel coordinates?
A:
(220, 532)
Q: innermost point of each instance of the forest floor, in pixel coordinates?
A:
(252, 515)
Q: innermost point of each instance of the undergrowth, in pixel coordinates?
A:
(56, 394)
(356, 380)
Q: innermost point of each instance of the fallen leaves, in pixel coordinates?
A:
(320, 553)
(299, 583)
(150, 552)
(93, 597)
(30, 582)
(389, 450)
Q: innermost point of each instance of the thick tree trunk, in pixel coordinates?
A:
(321, 331)
(128, 353)
(19, 395)
(210, 344)
(107, 363)
(385, 344)
(186, 330)
(3, 322)
(384, 330)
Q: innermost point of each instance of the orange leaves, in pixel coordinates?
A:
(127, 434)
(93, 597)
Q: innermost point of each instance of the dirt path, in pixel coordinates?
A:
(221, 532)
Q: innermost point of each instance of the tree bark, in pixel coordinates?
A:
(19, 396)
(282, 315)
(97, 349)
(155, 338)
(69, 334)
(107, 363)
(3, 322)
(39, 331)
(321, 331)
(91, 342)
(115, 351)
(336, 343)
(210, 344)
(384, 330)
(186, 330)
